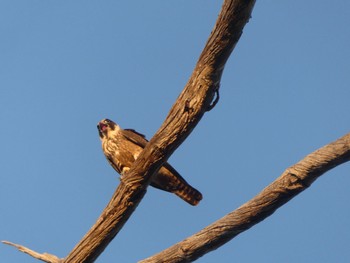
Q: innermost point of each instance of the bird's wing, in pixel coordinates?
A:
(137, 138)
(121, 162)
(116, 167)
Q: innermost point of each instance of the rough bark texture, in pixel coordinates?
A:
(190, 106)
(293, 181)
(41, 256)
(197, 98)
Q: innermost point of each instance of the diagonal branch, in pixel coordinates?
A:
(185, 114)
(43, 257)
(293, 181)
(193, 102)
(196, 98)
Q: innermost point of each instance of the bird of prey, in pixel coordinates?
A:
(121, 148)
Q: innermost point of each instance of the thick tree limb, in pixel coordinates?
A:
(197, 98)
(185, 114)
(193, 102)
(294, 180)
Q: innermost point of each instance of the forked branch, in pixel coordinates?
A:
(293, 181)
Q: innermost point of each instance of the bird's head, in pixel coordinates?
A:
(106, 127)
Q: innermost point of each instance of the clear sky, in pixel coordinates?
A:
(65, 65)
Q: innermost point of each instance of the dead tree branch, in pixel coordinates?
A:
(43, 257)
(293, 181)
(185, 114)
(196, 98)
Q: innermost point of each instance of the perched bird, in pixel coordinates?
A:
(122, 147)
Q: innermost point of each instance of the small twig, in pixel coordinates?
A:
(215, 101)
(43, 257)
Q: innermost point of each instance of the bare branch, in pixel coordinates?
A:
(293, 181)
(185, 114)
(196, 98)
(43, 257)
(200, 94)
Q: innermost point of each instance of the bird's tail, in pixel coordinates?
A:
(168, 179)
(188, 194)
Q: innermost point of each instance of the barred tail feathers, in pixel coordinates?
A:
(168, 179)
(189, 194)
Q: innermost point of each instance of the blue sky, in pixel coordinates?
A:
(64, 65)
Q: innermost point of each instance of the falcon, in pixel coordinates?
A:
(122, 147)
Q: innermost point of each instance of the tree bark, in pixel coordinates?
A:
(200, 94)
(294, 180)
(193, 102)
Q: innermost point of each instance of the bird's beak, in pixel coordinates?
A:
(102, 128)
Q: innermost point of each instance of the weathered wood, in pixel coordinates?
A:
(196, 98)
(294, 180)
(193, 102)
(41, 256)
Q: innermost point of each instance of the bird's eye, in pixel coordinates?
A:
(107, 121)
